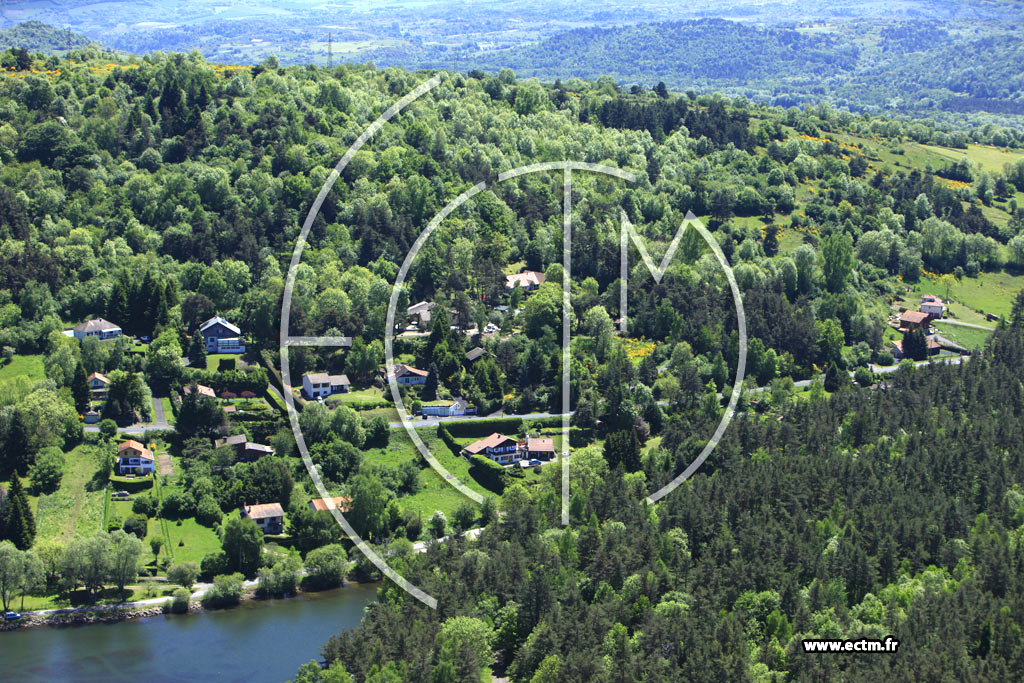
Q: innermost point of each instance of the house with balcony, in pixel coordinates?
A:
(98, 384)
(221, 336)
(498, 447)
(269, 517)
(134, 458)
(97, 327)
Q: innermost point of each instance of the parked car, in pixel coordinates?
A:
(119, 494)
(534, 462)
(12, 616)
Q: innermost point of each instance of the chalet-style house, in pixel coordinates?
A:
(448, 408)
(321, 385)
(134, 458)
(409, 376)
(498, 447)
(246, 450)
(914, 320)
(98, 384)
(97, 327)
(221, 336)
(933, 306)
(528, 279)
(269, 517)
(341, 502)
(538, 448)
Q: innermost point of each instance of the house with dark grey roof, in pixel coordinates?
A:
(221, 336)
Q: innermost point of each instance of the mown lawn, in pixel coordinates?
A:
(967, 337)
(168, 413)
(990, 292)
(190, 541)
(30, 366)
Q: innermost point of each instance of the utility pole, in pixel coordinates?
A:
(330, 51)
(69, 46)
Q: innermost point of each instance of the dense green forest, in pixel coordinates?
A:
(863, 515)
(914, 67)
(160, 191)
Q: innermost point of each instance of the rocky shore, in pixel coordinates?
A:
(91, 617)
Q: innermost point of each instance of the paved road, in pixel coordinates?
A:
(434, 421)
(159, 422)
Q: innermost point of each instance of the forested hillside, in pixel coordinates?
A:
(160, 192)
(918, 68)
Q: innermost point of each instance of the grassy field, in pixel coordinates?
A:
(189, 542)
(435, 493)
(168, 412)
(991, 159)
(30, 366)
(72, 509)
(990, 292)
(213, 360)
(967, 337)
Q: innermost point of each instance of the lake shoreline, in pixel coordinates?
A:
(100, 614)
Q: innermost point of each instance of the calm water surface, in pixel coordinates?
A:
(257, 641)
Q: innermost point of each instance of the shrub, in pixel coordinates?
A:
(213, 564)
(136, 524)
(178, 604)
(144, 505)
(326, 567)
(226, 591)
(108, 428)
(177, 504)
(488, 473)
(864, 377)
(482, 428)
(184, 574)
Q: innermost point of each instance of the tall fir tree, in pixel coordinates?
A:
(17, 452)
(19, 525)
(80, 388)
(197, 351)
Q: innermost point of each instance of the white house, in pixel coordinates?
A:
(409, 376)
(97, 327)
(448, 409)
(268, 516)
(221, 336)
(419, 313)
(498, 447)
(322, 385)
(933, 306)
(134, 458)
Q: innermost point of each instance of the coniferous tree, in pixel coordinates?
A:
(915, 345)
(80, 388)
(197, 351)
(19, 525)
(17, 451)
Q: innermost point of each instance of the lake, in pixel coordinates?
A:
(260, 640)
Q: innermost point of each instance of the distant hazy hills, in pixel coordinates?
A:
(36, 36)
(913, 67)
